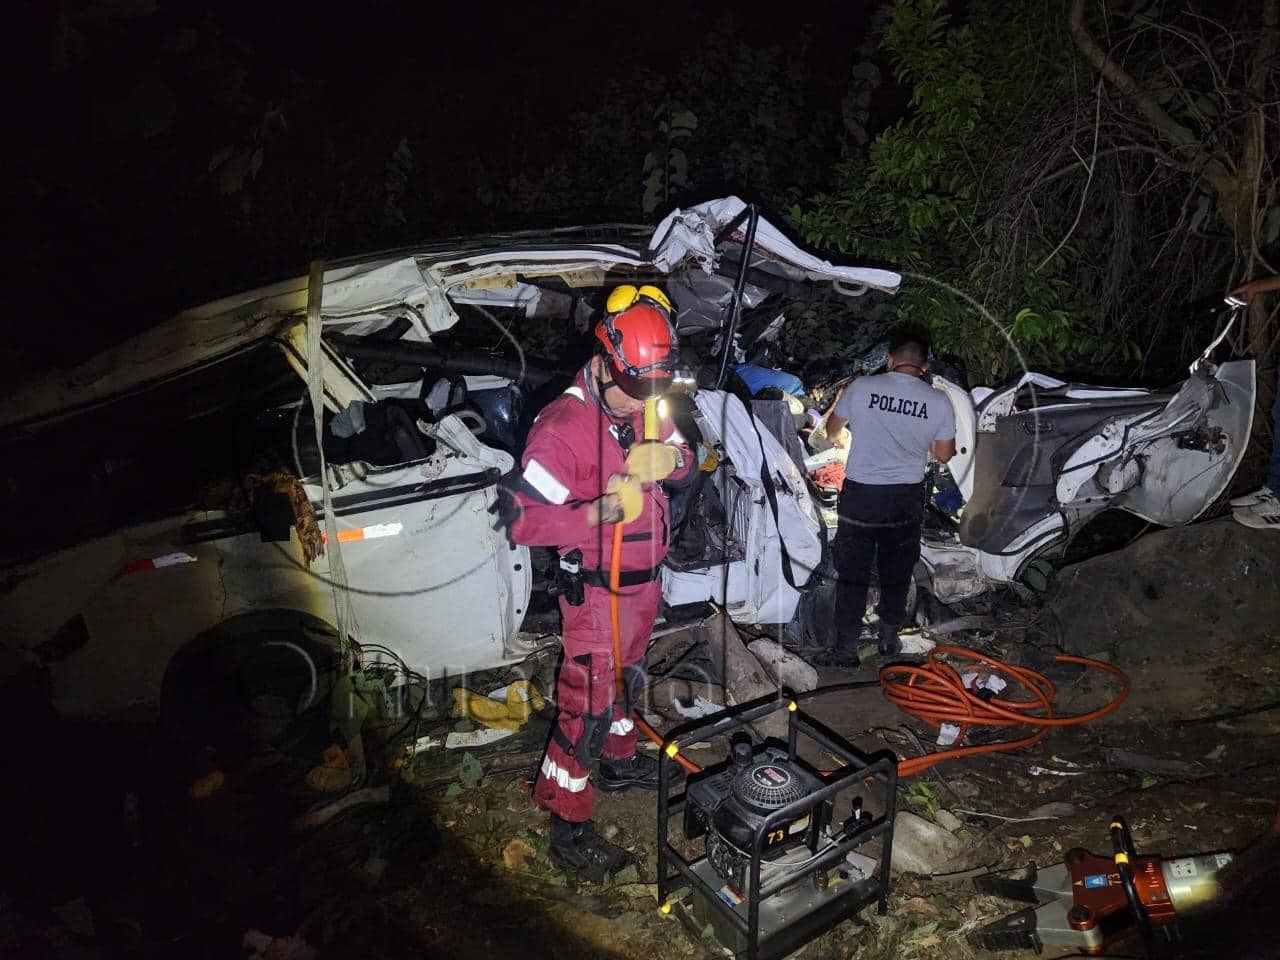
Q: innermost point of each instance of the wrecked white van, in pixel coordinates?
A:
(189, 493)
(179, 493)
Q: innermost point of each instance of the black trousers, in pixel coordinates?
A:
(880, 524)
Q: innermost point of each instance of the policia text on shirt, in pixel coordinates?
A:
(912, 408)
(896, 421)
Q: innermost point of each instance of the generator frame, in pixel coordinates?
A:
(675, 871)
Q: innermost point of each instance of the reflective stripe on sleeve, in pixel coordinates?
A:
(562, 777)
(538, 477)
(621, 727)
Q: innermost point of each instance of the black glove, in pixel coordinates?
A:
(504, 508)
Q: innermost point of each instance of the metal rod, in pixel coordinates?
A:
(664, 824)
(793, 729)
(735, 305)
(414, 353)
(886, 852)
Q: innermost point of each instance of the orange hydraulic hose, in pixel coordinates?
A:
(935, 693)
(615, 621)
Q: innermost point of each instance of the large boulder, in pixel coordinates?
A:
(1173, 593)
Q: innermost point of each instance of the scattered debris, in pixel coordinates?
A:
(1036, 770)
(1127, 760)
(322, 815)
(699, 707)
(267, 947)
(923, 847)
(786, 669)
(476, 738)
(672, 697)
(423, 744)
(916, 642)
(334, 772)
(517, 853)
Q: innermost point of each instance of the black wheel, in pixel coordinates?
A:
(254, 682)
(1125, 853)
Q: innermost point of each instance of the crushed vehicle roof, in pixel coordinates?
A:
(425, 281)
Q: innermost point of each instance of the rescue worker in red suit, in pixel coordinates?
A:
(585, 469)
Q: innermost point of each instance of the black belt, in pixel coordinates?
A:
(627, 578)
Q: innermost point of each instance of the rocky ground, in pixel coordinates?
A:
(455, 864)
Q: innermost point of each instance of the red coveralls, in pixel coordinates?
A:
(569, 457)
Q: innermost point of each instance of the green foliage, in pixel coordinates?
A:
(666, 165)
(855, 108)
(922, 798)
(915, 196)
(471, 773)
(354, 699)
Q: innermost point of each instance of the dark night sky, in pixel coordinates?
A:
(111, 201)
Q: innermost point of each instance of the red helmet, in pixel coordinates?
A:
(639, 341)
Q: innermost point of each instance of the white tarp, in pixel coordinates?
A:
(757, 590)
(691, 234)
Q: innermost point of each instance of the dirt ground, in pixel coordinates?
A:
(455, 866)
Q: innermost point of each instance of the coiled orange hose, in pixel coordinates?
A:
(935, 693)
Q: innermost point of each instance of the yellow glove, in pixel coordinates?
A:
(709, 459)
(650, 461)
(630, 496)
(522, 700)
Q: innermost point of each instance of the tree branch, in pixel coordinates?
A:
(1217, 175)
(1084, 193)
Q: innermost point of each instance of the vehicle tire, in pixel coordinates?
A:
(255, 682)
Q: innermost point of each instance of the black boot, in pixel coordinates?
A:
(890, 645)
(637, 770)
(838, 656)
(579, 849)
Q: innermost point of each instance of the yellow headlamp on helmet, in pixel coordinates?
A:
(627, 295)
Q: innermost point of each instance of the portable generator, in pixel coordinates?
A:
(779, 863)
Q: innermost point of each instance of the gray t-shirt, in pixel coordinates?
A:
(893, 417)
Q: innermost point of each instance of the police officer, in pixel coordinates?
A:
(896, 421)
(585, 470)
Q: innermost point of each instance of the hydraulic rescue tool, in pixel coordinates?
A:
(1092, 903)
